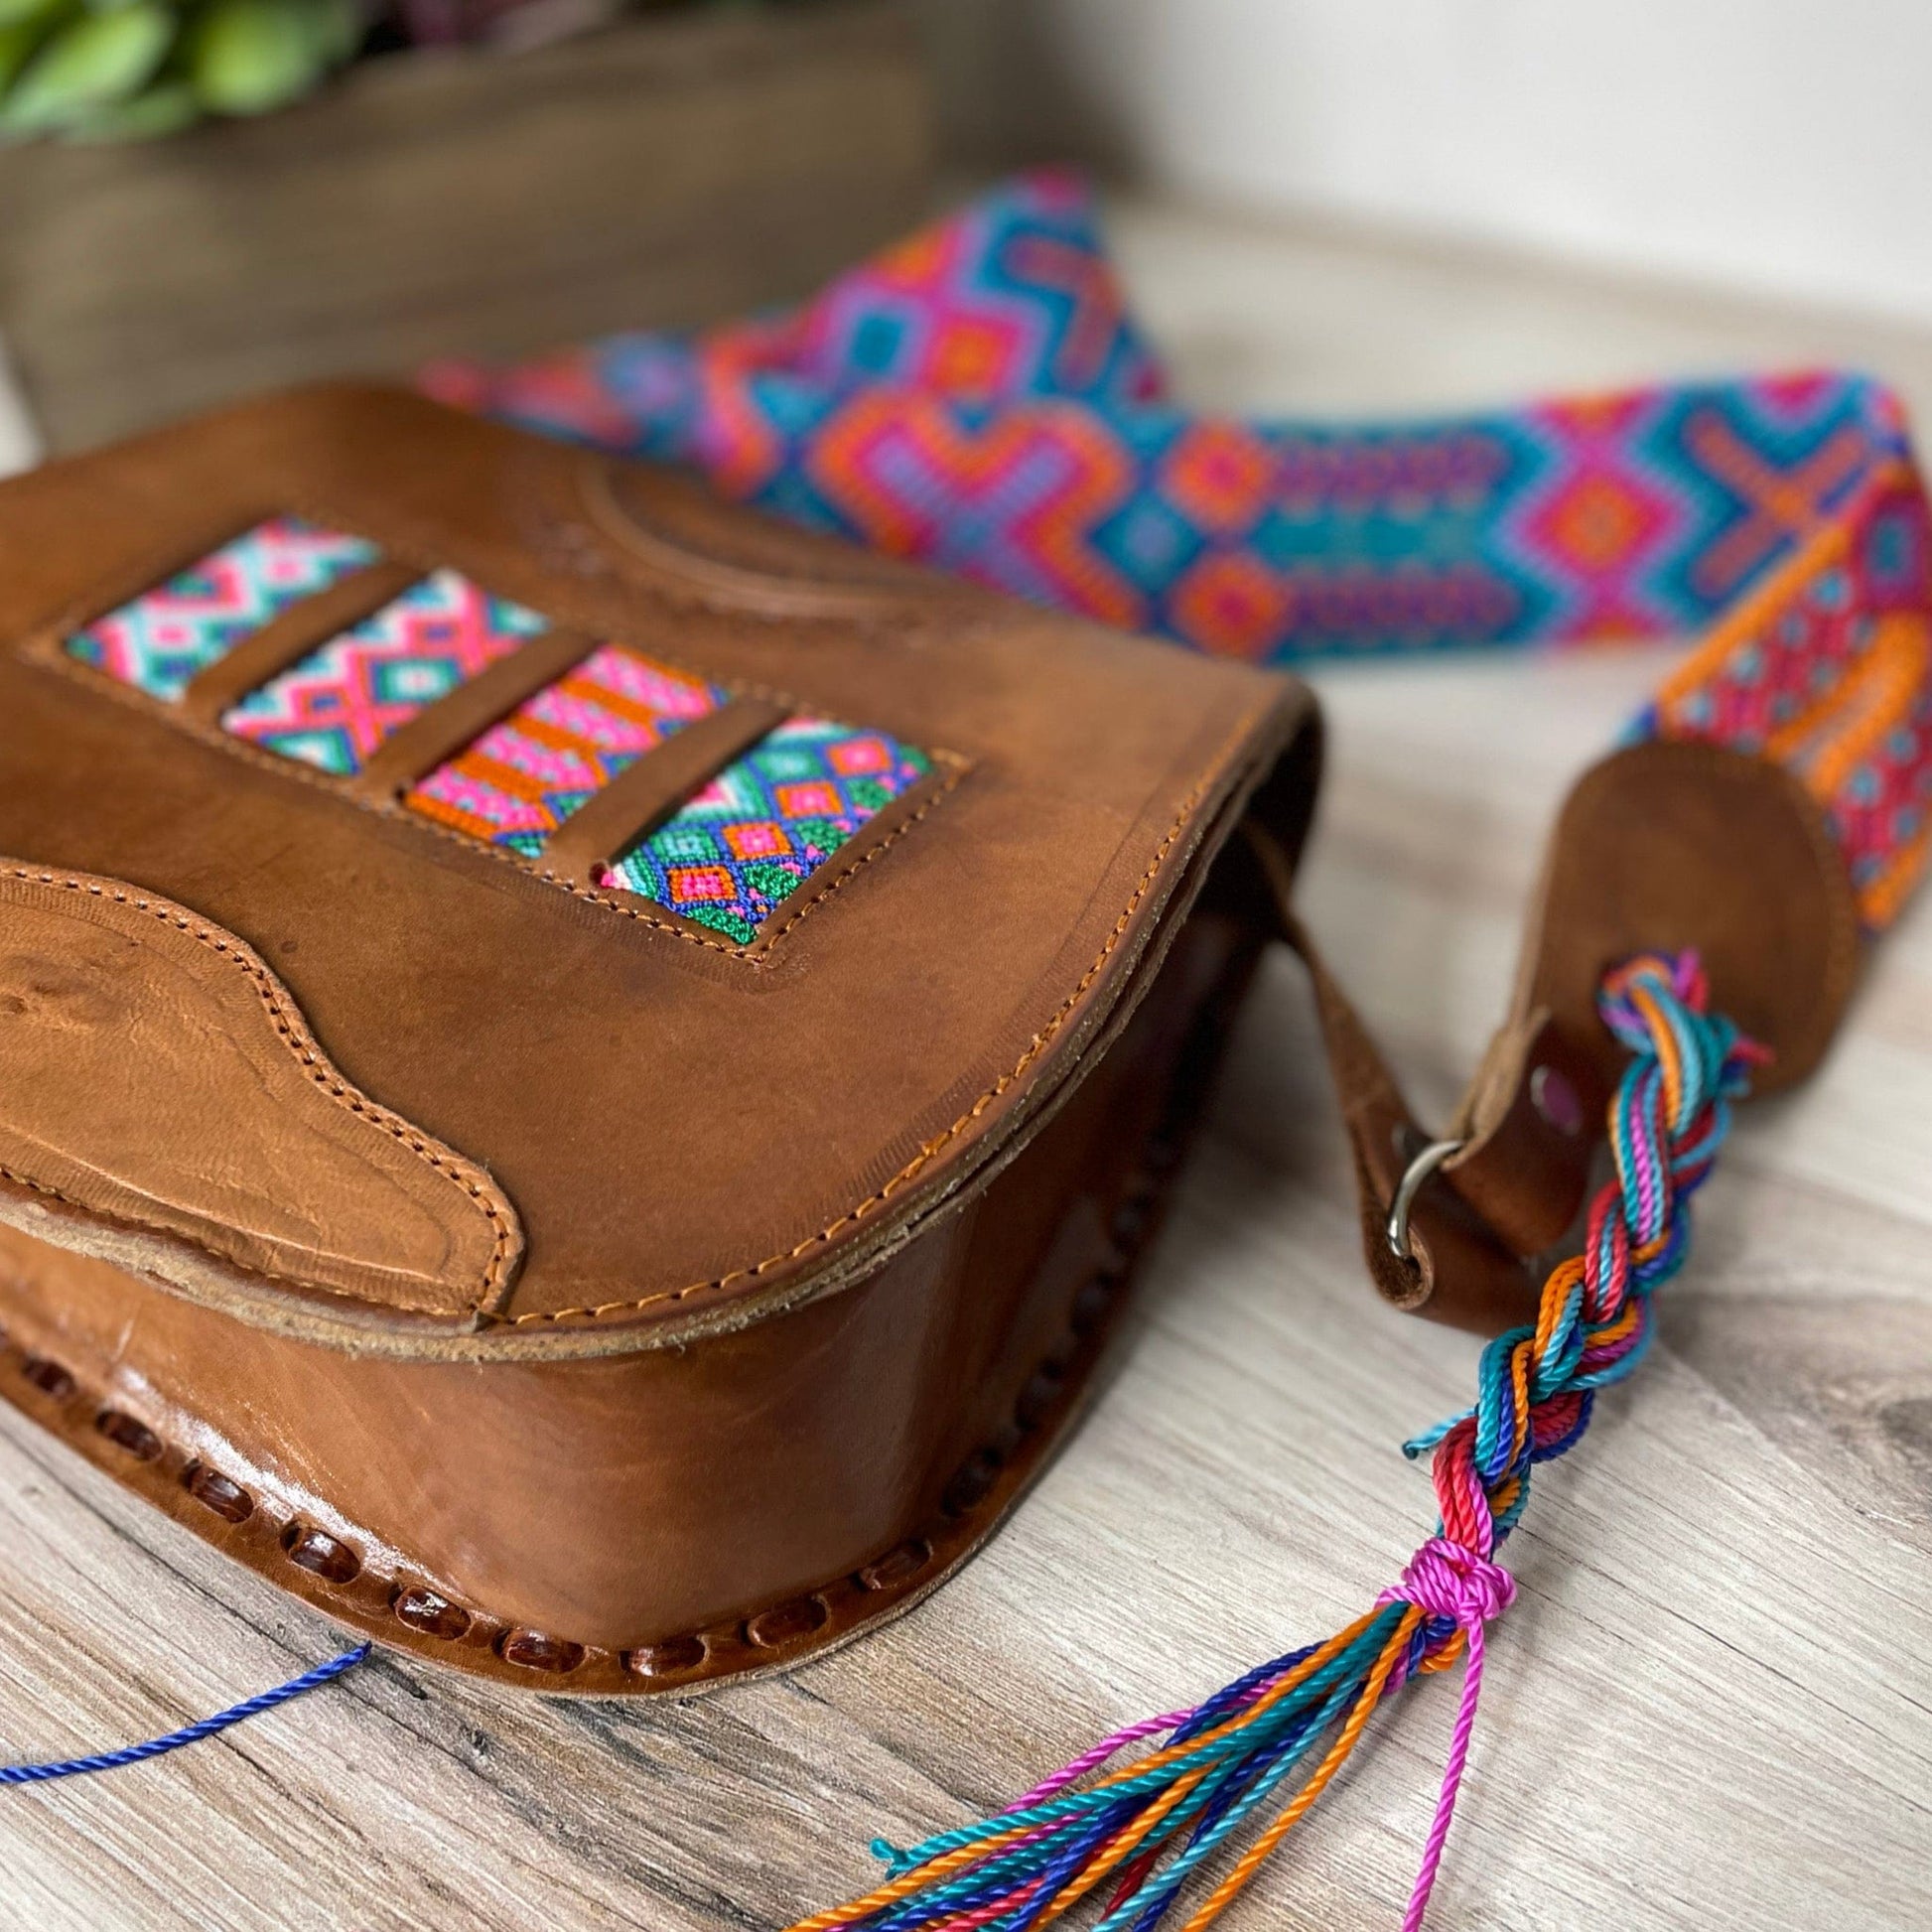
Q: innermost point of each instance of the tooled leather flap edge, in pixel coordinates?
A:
(165, 1106)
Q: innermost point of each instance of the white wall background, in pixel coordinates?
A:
(1778, 145)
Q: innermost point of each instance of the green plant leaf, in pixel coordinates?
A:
(18, 39)
(92, 64)
(250, 56)
(165, 108)
(14, 13)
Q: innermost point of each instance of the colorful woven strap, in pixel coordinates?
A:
(980, 398)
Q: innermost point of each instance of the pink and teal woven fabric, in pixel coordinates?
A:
(160, 640)
(522, 778)
(335, 707)
(734, 851)
(980, 398)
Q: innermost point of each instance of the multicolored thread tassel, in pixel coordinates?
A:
(1137, 1841)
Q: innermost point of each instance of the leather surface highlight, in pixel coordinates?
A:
(672, 1518)
(162, 1101)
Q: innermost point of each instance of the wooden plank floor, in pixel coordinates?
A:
(1712, 1705)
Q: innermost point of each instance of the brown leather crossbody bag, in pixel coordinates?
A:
(581, 1073)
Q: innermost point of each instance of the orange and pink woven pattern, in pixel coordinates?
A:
(522, 778)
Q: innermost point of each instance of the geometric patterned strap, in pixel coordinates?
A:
(980, 398)
(1827, 669)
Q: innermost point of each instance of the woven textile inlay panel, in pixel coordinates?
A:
(335, 707)
(160, 640)
(736, 850)
(520, 780)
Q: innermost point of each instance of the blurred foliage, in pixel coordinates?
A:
(123, 69)
(128, 69)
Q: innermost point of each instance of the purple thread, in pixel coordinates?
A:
(1444, 1579)
(1099, 1755)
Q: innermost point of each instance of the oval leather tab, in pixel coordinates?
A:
(1677, 844)
(162, 1104)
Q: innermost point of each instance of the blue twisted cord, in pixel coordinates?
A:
(74, 1767)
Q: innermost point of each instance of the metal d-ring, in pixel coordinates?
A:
(1409, 1186)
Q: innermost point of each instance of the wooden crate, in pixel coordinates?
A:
(667, 171)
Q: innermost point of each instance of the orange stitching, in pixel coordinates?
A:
(757, 951)
(933, 1147)
(760, 949)
(288, 1022)
(86, 1207)
(767, 941)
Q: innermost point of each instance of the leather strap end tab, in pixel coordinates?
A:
(1455, 1269)
(1668, 846)
(1677, 845)
(1530, 1126)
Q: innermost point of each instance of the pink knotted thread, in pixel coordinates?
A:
(1445, 1579)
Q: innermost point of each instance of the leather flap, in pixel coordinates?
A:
(698, 1129)
(163, 1103)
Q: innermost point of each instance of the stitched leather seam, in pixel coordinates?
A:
(289, 1025)
(932, 1148)
(147, 706)
(1718, 761)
